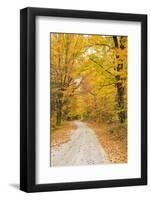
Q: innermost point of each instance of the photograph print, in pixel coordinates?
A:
(88, 99)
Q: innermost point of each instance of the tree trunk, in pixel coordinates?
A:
(119, 86)
(120, 100)
(59, 105)
(59, 116)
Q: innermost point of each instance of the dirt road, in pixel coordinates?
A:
(82, 149)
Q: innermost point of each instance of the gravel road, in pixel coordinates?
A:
(83, 148)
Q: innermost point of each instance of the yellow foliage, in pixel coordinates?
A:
(85, 72)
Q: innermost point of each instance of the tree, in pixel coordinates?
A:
(120, 47)
(65, 51)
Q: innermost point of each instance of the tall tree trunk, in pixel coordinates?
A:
(119, 86)
(59, 116)
(120, 100)
(59, 108)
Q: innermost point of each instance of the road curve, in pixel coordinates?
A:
(83, 148)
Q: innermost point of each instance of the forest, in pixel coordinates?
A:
(88, 80)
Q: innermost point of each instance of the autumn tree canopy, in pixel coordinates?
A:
(88, 78)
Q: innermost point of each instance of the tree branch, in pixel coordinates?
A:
(101, 66)
(107, 85)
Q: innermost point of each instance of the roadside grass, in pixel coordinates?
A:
(60, 135)
(113, 138)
